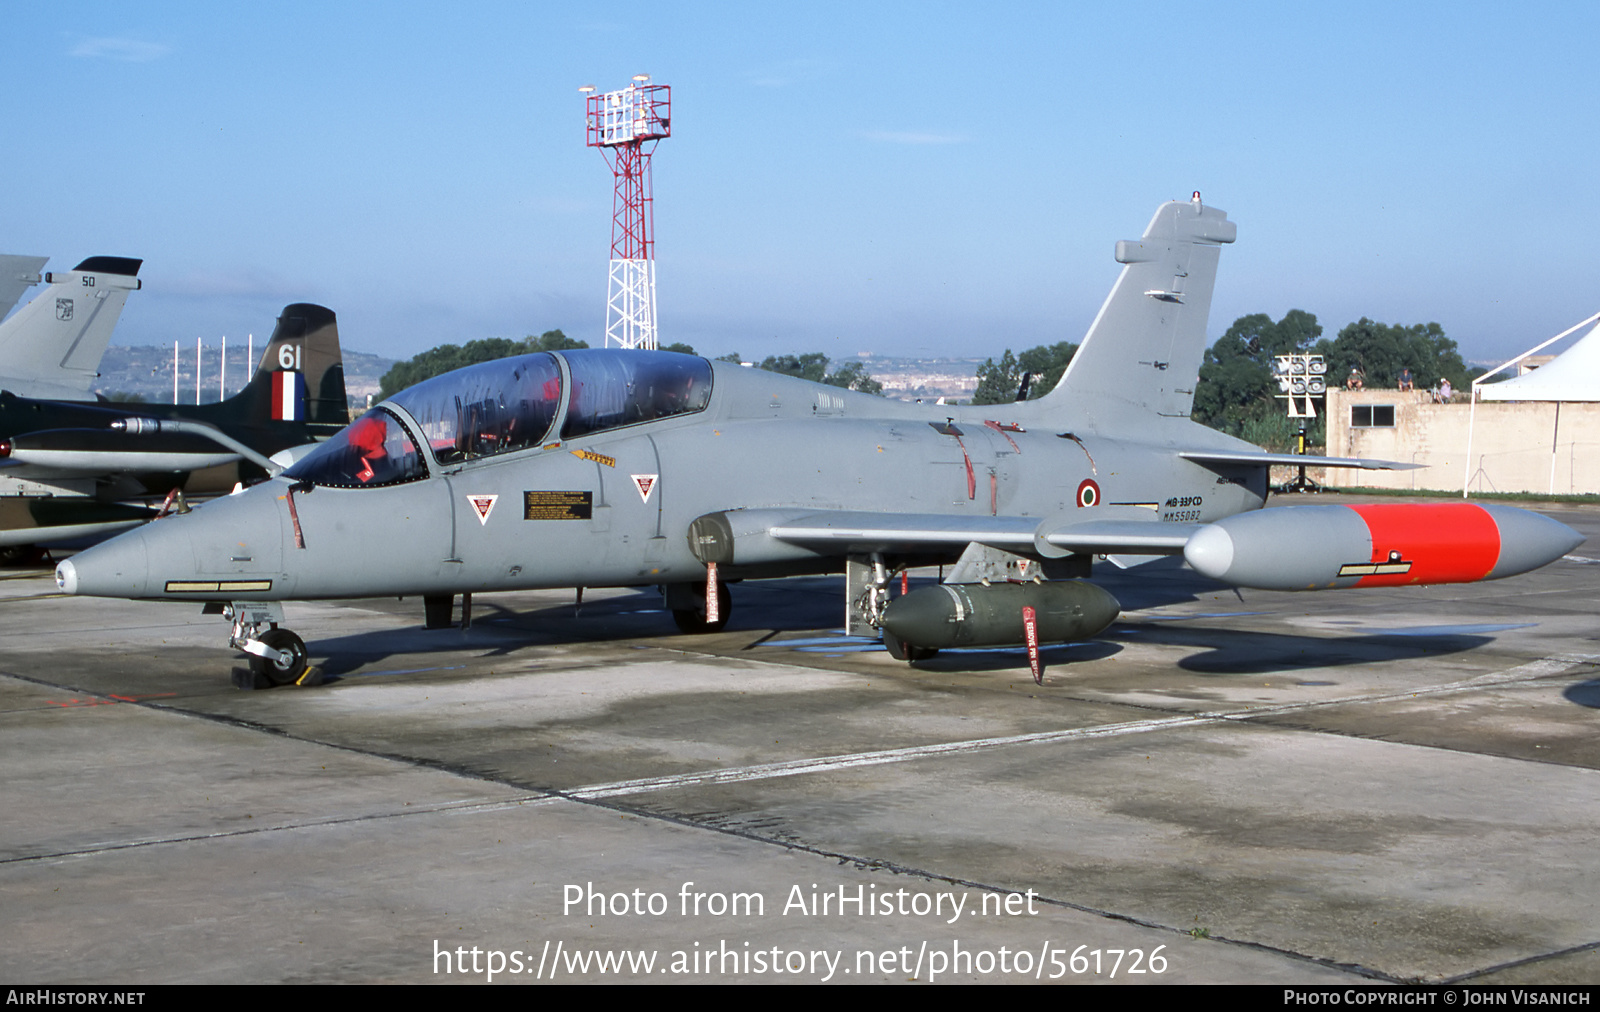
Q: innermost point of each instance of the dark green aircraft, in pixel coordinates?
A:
(71, 470)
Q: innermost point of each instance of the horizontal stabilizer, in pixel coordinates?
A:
(128, 266)
(1293, 460)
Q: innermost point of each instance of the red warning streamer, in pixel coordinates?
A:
(713, 606)
(1030, 634)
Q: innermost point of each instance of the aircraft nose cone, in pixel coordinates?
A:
(117, 568)
(67, 577)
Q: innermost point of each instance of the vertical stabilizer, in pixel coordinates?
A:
(53, 345)
(301, 375)
(1143, 352)
(17, 275)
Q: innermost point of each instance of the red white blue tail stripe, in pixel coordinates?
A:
(289, 396)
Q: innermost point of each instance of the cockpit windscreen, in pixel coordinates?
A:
(373, 450)
(493, 407)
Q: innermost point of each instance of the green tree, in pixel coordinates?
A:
(680, 348)
(854, 376)
(444, 358)
(811, 367)
(1237, 389)
(551, 340)
(1047, 363)
(1382, 350)
(999, 382)
(814, 367)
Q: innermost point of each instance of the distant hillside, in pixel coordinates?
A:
(146, 370)
(909, 379)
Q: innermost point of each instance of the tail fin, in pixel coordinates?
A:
(17, 275)
(301, 375)
(52, 346)
(1143, 352)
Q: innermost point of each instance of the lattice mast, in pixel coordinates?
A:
(626, 125)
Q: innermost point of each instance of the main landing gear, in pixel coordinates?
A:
(869, 582)
(277, 656)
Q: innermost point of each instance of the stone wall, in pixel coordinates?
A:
(1511, 444)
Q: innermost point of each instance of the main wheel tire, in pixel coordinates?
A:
(289, 668)
(693, 620)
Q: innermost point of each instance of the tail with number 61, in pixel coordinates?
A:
(300, 378)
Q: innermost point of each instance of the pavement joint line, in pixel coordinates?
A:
(544, 799)
(842, 858)
(597, 794)
(442, 807)
(1542, 668)
(1545, 667)
(824, 764)
(1471, 975)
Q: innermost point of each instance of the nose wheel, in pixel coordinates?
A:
(277, 656)
(284, 659)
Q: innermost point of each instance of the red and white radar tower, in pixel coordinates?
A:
(625, 125)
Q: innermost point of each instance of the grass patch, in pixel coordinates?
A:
(1582, 499)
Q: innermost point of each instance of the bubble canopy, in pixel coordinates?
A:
(505, 405)
(485, 409)
(612, 388)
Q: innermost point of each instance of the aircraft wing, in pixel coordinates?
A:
(1293, 460)
(844, 532)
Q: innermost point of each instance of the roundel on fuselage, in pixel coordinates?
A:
(1088, 493)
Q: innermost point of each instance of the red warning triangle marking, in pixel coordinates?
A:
(483, 505)
(646, 483)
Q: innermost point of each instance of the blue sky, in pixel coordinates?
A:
(936, 179)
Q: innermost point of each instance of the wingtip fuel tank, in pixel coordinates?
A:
(1380, 545)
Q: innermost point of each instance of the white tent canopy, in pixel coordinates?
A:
(1573, 375)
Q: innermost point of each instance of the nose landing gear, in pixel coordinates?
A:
(277, 656)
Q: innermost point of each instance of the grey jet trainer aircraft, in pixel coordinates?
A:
(620, 468)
